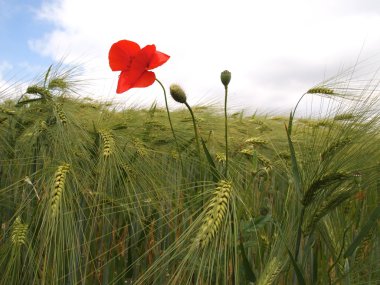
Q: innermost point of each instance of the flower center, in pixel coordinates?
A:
(129, 64)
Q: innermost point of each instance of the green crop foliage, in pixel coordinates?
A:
(92, 194)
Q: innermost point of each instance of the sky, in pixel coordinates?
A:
(275, 49)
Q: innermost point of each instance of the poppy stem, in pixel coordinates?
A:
(170, 123)
(195, 130)
(225, 77)
(226, 129)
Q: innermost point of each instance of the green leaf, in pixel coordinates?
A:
(300, 278)
(257, 223)
(249, 274)
(120, 126)
(47, 75)
(315, 261)
(295, 169)
(290, 123)
(215, 174)
(21, 103)
(254, 161)
(375, 215)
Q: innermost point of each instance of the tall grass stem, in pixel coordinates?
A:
(195, 129)
(226, 129)
(170, 123)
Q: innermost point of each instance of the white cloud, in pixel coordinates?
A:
(275, 49)
(5, 66)
(4, 85)
(15, 78)
(9, 88)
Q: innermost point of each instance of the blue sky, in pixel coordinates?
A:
(275, 49)
(19, 24)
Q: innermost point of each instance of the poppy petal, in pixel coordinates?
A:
(149, 51)
(146, 79)
(127, 79)
(133, 62)
(121, 53)
(159, 58)
(132, 79)
(143, 58)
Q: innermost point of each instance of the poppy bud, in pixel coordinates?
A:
(177, 93)
(225, 77)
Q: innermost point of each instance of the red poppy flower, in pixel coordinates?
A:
(134, 63)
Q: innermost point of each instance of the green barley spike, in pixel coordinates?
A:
(19, 232)
(58, 187)
(215, 213)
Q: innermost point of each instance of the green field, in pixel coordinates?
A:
(91, 193)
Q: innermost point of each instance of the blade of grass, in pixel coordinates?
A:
(300, 278)
(249, 274)
(375, 215)
(215, 174)
(295, 168)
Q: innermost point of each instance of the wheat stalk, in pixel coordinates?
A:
(39, 90)
(215, 212)
(59, 83)
(61, 115)
(247, 151)
(140, 148)
(42, 127)
(271, 272)
(264, 161)
(335, 147)
(59, 184)
(128, 171)
(321, 184)
(256, 121)
(155, 124)
(108, 142)
(320, 90)
(344, 117)
(174, 154)
(19, 231)
(7, 111)
(264, 128)
(334, 200)
(255, 141)
(220, 157)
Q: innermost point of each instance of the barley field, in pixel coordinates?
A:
(93, 193)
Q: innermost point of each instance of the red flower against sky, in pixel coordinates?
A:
(134, 63)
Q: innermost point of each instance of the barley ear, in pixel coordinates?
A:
(271, 272)
(58, 187)
(61, 115)
(108, 142)
(19, 231)
(320, 90)
(321, 184)
(216, 211)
